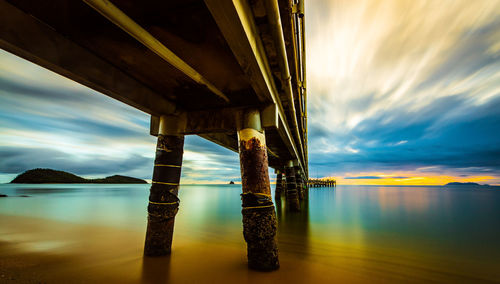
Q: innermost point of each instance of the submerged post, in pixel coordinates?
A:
(163, 201)
(259, 217)
(292, 198)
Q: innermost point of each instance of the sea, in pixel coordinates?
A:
(349, 233)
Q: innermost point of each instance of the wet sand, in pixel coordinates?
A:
(36, 250)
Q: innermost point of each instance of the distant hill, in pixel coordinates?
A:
(53, 176)
(463, 183)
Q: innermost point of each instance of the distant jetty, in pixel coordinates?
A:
(53, 176)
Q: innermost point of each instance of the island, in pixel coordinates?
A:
(466, 184)
(231, 182)
(53, 176)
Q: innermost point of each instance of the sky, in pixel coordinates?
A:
(399, 92)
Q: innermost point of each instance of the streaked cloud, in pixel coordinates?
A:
(49, 121)
(399, 92)
(401, 85)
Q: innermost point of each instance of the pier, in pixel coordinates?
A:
(322, 182)
(231, 72)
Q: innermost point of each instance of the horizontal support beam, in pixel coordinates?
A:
(25, 36)
(218, 126)
(269, 116)
(212, 121)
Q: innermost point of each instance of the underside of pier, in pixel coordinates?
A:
(232, 72)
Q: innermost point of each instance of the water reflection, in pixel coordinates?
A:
(41, 190)
(155, 269)
(293, 227)
(390, 198)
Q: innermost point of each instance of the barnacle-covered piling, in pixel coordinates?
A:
(163, 201)
(259, 217)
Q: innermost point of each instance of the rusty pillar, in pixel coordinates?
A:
(292, 198)
(283, 183)
(305, 187)
(163, 201)
(259, 217)
(300, 183)
(279, 185)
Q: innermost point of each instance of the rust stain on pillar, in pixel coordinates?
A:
(163, 201)
(259, 217)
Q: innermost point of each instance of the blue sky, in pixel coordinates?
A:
(407, 91)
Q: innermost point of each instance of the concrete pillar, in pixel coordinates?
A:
(259, 217)
(292, 198)
(163, 201)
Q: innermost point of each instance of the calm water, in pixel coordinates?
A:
(444, 230)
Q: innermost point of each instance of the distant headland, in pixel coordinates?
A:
(53, 176)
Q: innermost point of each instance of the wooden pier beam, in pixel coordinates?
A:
(163, 201)
(292, 197)
(259, 217)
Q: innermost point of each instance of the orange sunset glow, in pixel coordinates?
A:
(409, 178)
